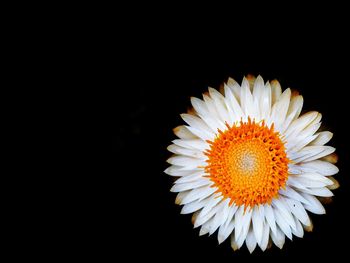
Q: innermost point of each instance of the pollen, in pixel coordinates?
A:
(248, 163)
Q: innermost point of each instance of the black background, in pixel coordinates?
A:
(162, 70)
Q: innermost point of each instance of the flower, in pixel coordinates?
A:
(249, 166)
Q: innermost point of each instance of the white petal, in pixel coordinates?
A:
(278, 238)
(211, 120)
(315, 205)
(298, 211)
(311, 180)
(265, 237)
(212, 108)
(196, 144)
(215, 199)
(187, 152)
(175, 170)
(322, 138)
(295, 183)
(296, 144)
(282, 207)
(316, 177)
(180, 196)
(205, 228)
(294, 168)
(321, 167)
(196, 123)
(276, 91)
(219, 103)
(203, 134)
(191, 178)
(301, 123)
(299, 231)
(317, 120)
(310, 153)
(226, 229)
(297, 141)
(280, 109)
(199, 106)
(258, 88)
(194, 206)
(281, 222)
(232, 117)
(295, 107)
(236, 89)
(311, 128)
(257, 219)
(233, 105)
(204, 217)
(190, 185)
(244, 230)
(291, 193)
(183, 133)
(239, 220)
(258, 96)
(220, 216)
(247, 102)
(265, 102)
(198, 193)
(214, 123)
(250, 241)
(321, 191)
(270, 217)
(187, 162)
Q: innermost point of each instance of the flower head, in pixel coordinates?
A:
(250, 166)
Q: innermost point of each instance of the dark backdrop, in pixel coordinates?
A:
(161, 72)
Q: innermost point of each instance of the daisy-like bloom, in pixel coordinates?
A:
(248, 165)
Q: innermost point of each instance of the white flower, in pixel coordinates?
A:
(249, 166)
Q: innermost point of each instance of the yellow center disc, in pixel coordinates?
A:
(248, 163)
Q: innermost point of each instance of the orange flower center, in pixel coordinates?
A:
(248, 163)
